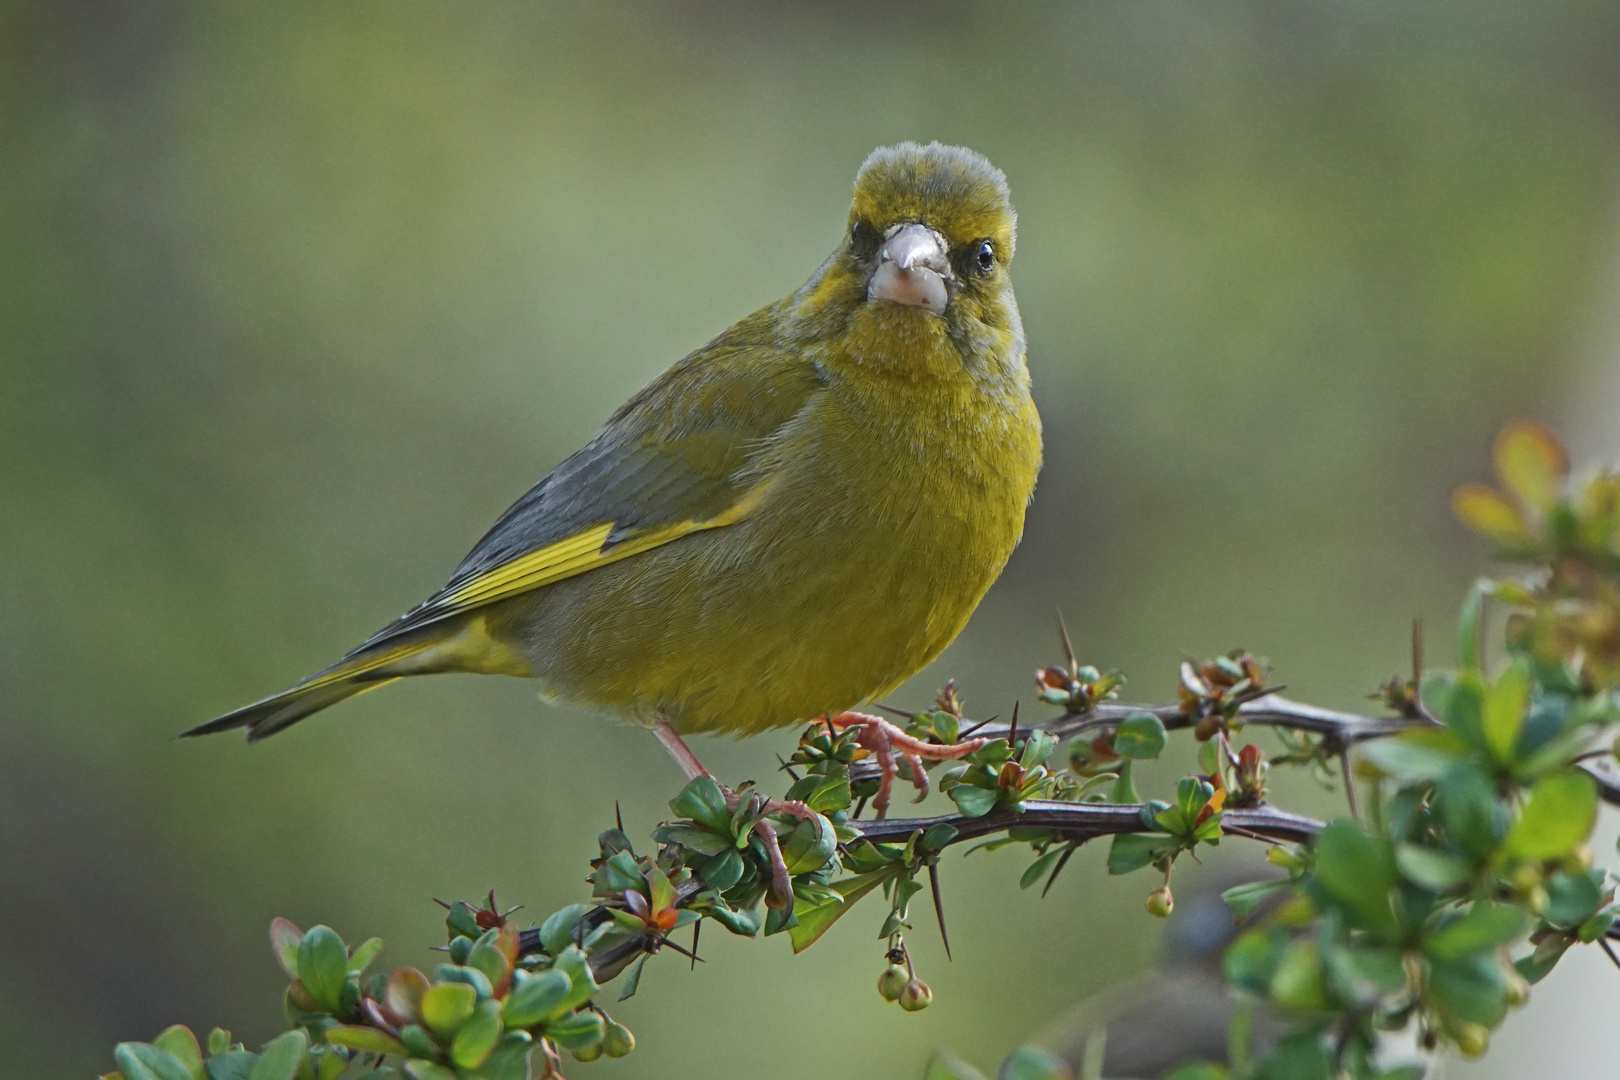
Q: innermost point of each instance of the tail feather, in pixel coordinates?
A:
(362, 670)
(264, 718)
(461, 645)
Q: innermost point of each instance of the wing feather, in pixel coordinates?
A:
(676, 459)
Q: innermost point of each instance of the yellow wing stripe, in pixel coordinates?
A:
(581, 552)
(503, 578)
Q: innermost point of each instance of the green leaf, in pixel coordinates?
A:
(1468, 619)
(831, 792)
(1037, 748)
(489, 959)
(724, 870)
(1359, 870)
(1251, 959)
(1484, 926)
(1471, 988)
(1132, 851)
(1470, 807)
(281, 1056)
(743, 923)
(704, 841)
(945, 1066)
(1365, 975)
(660, 891)
(1298, 984)
(1571, 898)
(1039, 867)
(323, 967)
(475, 1040)
(1531, 463)
(1032, 1063)
(1141, 735)
(1465, 710)
(973, 801)
(815, 920)
(143, 1061)
(1558, 814)
(1504, 709)
(809, 845)
(180, 1043)
(230, 1065)
(702, 801)
(571, 962)
(938, 836)
(357, 1037)
(1198, 1070)
(1433, 870)
(447, 1005)
(632, 979)
(364, 954)
(1299, 1057)
(428, 1070)
(557, 932)
(535, 997)
(576, 1031)
(1243, 899)
(284, 939)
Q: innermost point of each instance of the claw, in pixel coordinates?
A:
(882, 738)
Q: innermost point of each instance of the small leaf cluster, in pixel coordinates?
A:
(177, 1055)
(1569, 622)
(1211, 692)
(1004, 774)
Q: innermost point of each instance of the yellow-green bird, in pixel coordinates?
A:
(788, 522)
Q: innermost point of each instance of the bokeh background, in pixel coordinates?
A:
(295, 298)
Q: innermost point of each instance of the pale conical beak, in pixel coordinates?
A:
(912, 269)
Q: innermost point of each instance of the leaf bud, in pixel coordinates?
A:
(916, 996)
(1579, 860)
(1472, 1039)
(618, 1040)
(1160, 902)
(892, 983)
(1516, 989)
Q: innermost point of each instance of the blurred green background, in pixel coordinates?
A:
(295, 298)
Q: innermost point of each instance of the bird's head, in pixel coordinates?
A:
(930, 236)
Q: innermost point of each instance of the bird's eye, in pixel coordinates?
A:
(986, 257)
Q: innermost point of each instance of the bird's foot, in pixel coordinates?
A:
(888, 744)
(781, 890)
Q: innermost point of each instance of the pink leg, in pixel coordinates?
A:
(781, 882)
(690, 765)
(884, 738)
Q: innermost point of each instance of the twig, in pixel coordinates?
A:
(1609, 950)
(1349, 783)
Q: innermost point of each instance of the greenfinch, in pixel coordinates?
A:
(786, 523)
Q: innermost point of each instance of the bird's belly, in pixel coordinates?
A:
(780, 618)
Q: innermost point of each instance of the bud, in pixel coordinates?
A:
(1537, 899)
(588, 1053)
(1517, 989)
(892, 983)
(1579, 860)
(617, 1041)
(1526, 876)
(1472, 1039)
(916, 996)
(1160, 902)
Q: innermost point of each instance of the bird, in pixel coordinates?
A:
(785, 524)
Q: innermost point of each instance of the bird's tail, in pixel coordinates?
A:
(367, 668)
